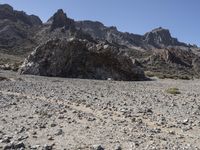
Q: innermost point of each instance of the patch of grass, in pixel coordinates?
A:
(149, 74)
(161, 75)
(173, 91)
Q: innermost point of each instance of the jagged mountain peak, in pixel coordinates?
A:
(59, 13)
(161, 32)
(7, 12)
(160, 29)
(161, 37)
(6, 7)
(60, 19)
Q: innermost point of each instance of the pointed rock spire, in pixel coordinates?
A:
(59, 20)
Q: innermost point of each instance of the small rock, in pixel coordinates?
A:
(172, 132)
(59, 132)
(133, 120)
(61, 117)
(21, 138)
(97, 147)
(50, 138)
(35, 147)
(117, 147)
(47, 147)
(91, 119)
(19, 145)
(53, 124)
(185, 122)
(5, 140)
(34, 133)
(22, 130)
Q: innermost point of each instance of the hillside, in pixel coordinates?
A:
(156, 52)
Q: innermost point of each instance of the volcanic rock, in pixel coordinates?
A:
(16, 30)
(156, 51)
(80, 59)
(60, 20)
(160, 37)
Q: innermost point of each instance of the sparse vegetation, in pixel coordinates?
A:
(168, 76)
(149, 74)
(173, 91)
(10, 62)
(160, 75)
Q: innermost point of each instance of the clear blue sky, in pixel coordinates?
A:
(181, 17)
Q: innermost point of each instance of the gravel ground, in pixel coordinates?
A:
(74, 114)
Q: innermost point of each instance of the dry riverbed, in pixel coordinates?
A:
(75, 114)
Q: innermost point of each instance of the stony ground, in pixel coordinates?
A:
(74, 114)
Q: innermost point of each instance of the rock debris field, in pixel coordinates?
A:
(44, 113)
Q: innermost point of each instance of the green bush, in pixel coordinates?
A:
(149, 74)
(173, 91)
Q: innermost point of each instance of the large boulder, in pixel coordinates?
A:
(77, 58)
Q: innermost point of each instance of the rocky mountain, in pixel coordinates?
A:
(81, 59)
(60, 20)
(157, 38)
(156, 52)
(16, 30)
(72, 53)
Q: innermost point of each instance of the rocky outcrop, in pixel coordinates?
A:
(60, 20)
(98, 31)
(17, 30)
(7, 12)
(157, 38)
(156, 51)
(196, 65)
(160, 38)
(81, 59)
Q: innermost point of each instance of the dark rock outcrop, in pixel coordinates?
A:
(160, 38)
(81, 59)
(60, 20)
(17, 30)
(98, 31)
(156, 51)
(7, 12)
(157, 38)
(196, 65)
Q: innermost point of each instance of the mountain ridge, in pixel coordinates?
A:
(156, 51)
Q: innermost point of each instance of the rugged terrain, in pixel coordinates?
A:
(45, 113)
(81, 59)
(56, 113)
(156, 52)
